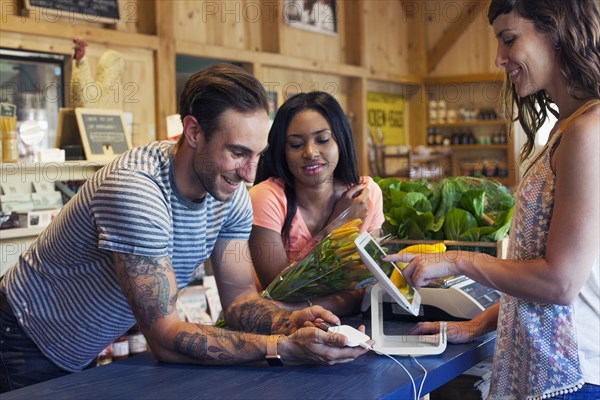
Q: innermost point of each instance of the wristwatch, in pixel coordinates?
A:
(273, 359)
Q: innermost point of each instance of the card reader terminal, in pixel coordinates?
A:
(460, 297)
(453, 298)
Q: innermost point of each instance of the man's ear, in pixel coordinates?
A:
(192, 131)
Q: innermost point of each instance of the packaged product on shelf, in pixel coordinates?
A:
(105, 356)
(8, 128)
(137, 341)
(120, 348)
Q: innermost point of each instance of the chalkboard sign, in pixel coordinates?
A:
(103, 133)
(106, 11)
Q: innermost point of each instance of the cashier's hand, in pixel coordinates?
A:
(422, 269)
(311, 345)
(456, 332)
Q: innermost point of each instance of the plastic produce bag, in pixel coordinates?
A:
(332, 265)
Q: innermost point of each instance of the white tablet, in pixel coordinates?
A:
(404, 294)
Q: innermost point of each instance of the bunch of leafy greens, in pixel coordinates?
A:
(462, 208)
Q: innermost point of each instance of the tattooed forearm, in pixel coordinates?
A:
(226, 345)
(146, 285)
(260, 316)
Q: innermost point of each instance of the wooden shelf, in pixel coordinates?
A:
(472, 78)
(65, 164)
(51, 28)
(20, 232)
(391, 78)
(475, 122)
(462, 147)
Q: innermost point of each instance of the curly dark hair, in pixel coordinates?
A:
(574, 26)
(273, 163)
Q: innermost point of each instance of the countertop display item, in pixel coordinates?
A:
(388, 274)
(404, 295)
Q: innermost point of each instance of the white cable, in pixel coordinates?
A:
(424, 376)
(412, 381)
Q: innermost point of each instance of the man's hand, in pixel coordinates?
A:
(308, 316)
(312, 345)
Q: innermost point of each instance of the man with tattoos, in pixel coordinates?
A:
(122, 248)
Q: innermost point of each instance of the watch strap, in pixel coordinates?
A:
(272, 357)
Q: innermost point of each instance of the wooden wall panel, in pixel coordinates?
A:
(136, 89)
(137, 16)
(387, 38)
(287, 82)
(233, 24)
(475, 50)
(297, 42)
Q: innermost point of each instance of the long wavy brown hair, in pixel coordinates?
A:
(574, 26)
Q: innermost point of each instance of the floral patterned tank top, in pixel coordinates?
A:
(536, 353)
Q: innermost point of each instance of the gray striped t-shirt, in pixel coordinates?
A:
(64, 289)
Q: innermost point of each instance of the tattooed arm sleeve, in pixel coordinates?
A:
(150, 287)
(244, 309)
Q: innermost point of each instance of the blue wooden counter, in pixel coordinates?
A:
(369, 377)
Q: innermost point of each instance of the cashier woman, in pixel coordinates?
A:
(122, 248)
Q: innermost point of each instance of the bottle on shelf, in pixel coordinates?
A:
(503, 137)
(490, 168)
(439, 137)
(8, 129)
(105, 356)
(472, 138)
(455, 138)
(431, 136)
(502, 170)
(464, 138)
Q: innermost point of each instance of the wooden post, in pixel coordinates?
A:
(166, 101)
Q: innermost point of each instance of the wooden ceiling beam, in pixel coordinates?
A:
(453, 33)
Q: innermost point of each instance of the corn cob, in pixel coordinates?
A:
(423, 248)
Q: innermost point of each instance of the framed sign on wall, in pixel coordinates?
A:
(386, 113)
(104, 11)
(313, 15)
(103, 133)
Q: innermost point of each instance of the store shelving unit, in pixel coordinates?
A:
(484, 157)
(22, 175)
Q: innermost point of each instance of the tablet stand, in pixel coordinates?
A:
(416, 345)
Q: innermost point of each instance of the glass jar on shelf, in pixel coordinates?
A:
(105, 356)
(137, 341)
(120, 348)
